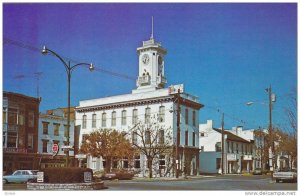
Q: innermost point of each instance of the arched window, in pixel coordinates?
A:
(104, 119)
(124, 117)
(147, 115)
(94, 118)
(113, 118)
(161, 114)
(134, 116)
(161, 136)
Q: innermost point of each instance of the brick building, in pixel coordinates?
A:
(20, 131)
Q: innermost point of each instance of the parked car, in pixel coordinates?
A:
(285, 175)
(120, 175)
(257, 171)
(20, 176)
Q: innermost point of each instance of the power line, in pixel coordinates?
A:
(36, 49)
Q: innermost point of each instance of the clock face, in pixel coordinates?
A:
(160, 60)
(145, 59)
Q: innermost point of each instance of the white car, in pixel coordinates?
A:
(285, 175)
(20, 176)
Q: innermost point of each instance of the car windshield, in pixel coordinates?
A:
(34, 172)
(284, 170)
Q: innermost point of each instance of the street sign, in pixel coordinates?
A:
(40, 176)
(87, 176)
(80, 156)
(55, 148)
(67, 147)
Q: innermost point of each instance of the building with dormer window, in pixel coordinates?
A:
(238, 152)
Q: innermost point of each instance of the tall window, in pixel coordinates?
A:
(94, 120)
(147, 137)
(21, 118)
(84, 121)
(137, 162)
(4, 120)
(104, 119)
(162, 161)
(45, 127)
(30, 141)
(134, 137)
(31, 119)
(186, 137)
(186, 116)
(134, 116)
(12, 116)
(45, 145)
(242, 148)
(113, 119)
(12, 139)
(237, 147)
(194, 118)
(161, 136)
(218, 163)
(125, 162)
(65, 130)
(56, 129)
(161, 114)
(147, 115)
(124, 113)
(228, 147)
(194, 138)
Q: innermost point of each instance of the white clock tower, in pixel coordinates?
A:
(151, 65)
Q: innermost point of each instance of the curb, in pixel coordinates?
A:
(170, 179)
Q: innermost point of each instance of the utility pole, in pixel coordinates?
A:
(269, 90)
(222, 163)
(178, 134)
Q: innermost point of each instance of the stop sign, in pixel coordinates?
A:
(55, 148)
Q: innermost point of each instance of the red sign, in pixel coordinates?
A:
(55, 148)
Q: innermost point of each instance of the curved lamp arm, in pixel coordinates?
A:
(45, 52)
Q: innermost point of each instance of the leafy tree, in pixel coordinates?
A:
(153, 140)
(110, 144)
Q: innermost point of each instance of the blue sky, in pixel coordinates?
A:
(225, 53)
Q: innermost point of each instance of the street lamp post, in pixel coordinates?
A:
(271, 99)
(69, 70)
(177, 112)
(178, 133)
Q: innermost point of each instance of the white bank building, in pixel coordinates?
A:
(150, 98)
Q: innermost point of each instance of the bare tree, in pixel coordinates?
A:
(153, 140)
(290, 134)
(110, 144)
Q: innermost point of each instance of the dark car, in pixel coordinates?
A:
(120, 175)
(257, 171)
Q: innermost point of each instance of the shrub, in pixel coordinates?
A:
(65, 175)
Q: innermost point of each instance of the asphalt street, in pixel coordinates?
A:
(212, 183)
(234, 183)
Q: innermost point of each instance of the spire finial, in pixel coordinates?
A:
(152, 30)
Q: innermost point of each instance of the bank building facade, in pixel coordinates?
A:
(150, 99)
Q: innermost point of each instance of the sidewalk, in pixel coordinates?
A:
(170, 178)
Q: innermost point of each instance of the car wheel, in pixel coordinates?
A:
(5, 181)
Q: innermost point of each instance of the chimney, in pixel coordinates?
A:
(209, 124)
